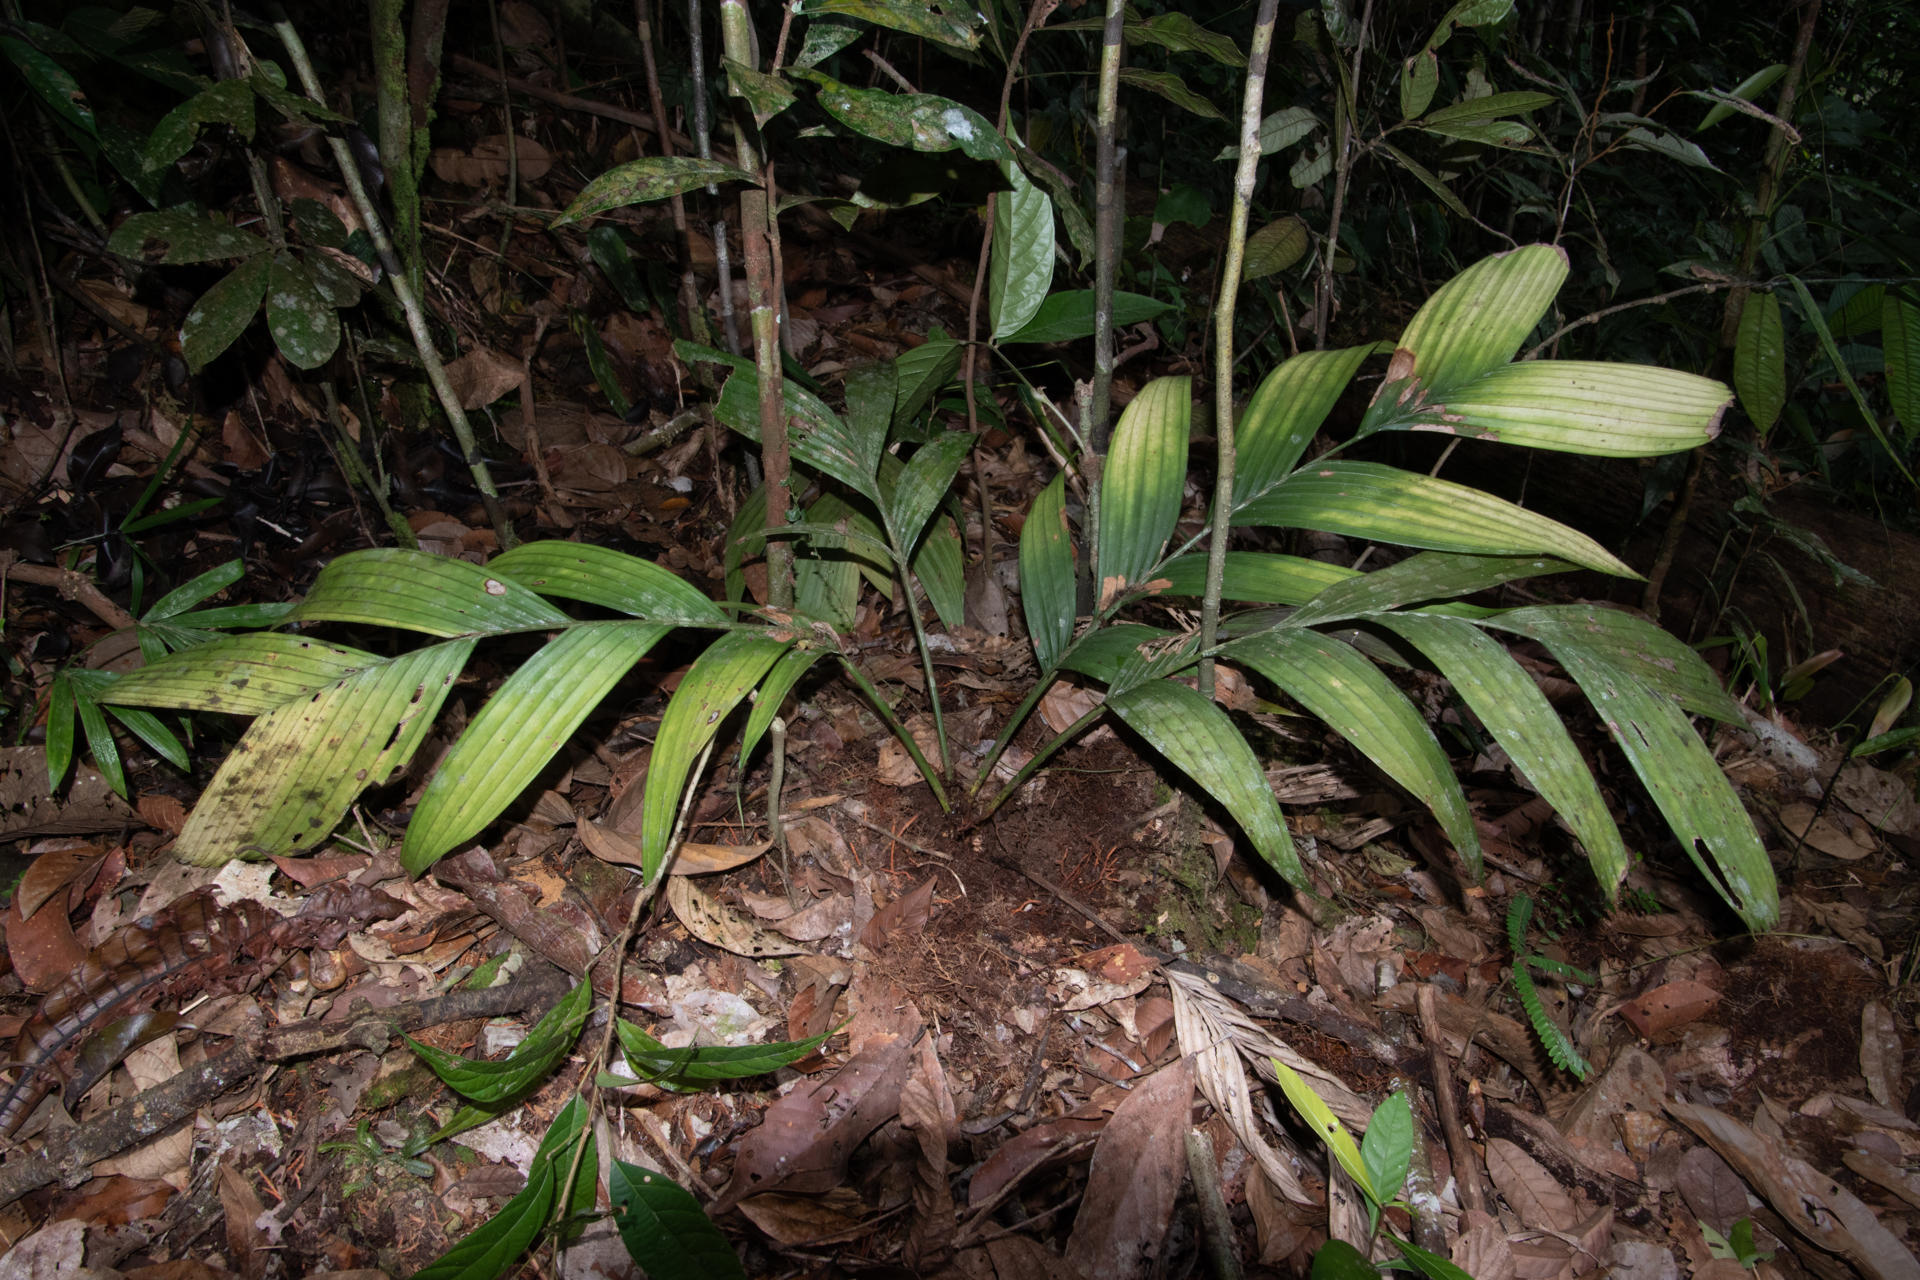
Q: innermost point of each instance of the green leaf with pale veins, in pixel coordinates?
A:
(1478, 319)
(1021, 270)
(305, 327)
(1046, 574)
(646, 180)
(1145, 475)
(246, 675)
(223, 313)
(1760, 361)
(1283, 414)
(611, 579)
(417, 591)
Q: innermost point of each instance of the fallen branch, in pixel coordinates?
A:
(68, 1158)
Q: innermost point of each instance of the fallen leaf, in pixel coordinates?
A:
(1536, 1198)
(1137, 1168)
(904, 917)
(1671, 1004)
(1881, 1053)
(715, 923)
(42, 946)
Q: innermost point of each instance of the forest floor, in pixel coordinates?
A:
(1026, 1015)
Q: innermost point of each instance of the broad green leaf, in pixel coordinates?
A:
(338, 287)
(872, 391)
(1486, 133)
(823, 40)
(786, 673)
(223, 313)
(1106, 652)
(1257, 577)
(1430, 1265)
(1046, 574)
(1760, 361)
(1818, 323)
(100, 744)
(836, 542)
(1144, 477)
(1166, 84)
(611, 579)
(228, 102)
(1510, 704)
(1655, 656)
(53, 83)
(1342, 27)
(289, 780)
(1478, 13)
(924, 484)
(1430, 575)
(246, 675)
(1578, 406)
(177, 236)
(1327, 1127)
(1419, 77)
(1477, 320)
(60, 719)
(1172, 31)
(1747, 90)
(704, 1064)
(916, 121)
(921, 372)
(1421, 173)
(1338, 1260)
(1275, 247)
(1198, 739)
(1348, 693)
(817, 436)
(1383, 504)
(1900, 339)
(529, 718)
(315, 223)
(1068, 315)
(1311, 167)
(1684, 780)
(1859, 314)
(765, 95)
(545, 1046)
(1387, 1145)
(188, 594)
(645, 180)
(1022, 267)
(1669, 145)
(665, 1230)
(940, 568)
(304, 326)
(1492, 107)
(1282, 129)
(417, 591)
(713, 686)
(486, 1252)
(1282, 415)
(943, 21)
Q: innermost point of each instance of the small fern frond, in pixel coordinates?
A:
(1519, 915)
(1559, 1048)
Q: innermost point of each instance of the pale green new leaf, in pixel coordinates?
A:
(713, 686)
(1900, 339)
(1760, 361)
(1355, 700)
(1747, 90)
(1578, 406)
(1430, 575)
(645, 180)
(1046, 574)
(1477, 320)
(1387, 1147)
(417, 591)
(924, 483)
(612, 579)
(1257, 577)
(305, 327)
(1200, 741)
(223, 313)
(1146, 472)
(529, 718)
(1657, 657)
(1684, 780)
(1021, 271)
(1384, 504)
(1327, 1127)
(246, 675)
(1282, 415)
(290, 779)
(1510, 704)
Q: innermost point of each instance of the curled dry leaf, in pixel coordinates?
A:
(715, 923)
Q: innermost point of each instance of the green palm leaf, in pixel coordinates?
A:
(1141, 486)
(415, 591)
(1477, 320)
(1046, 574)
(1575, 406)
(1285, 410)
(246, 675)
(612, 579)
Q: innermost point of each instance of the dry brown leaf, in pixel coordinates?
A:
(246, 1243)
(1671, 1004)
(42, 946)
(1838, 835)
(1482, 1251)
(1138, 1164)
(905, 917)
(1881, 1053)
(927, 1112)
(715, 923)
(810, 1221)
(1536, 1198)
(166, 1156)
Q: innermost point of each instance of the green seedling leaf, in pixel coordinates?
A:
(1167, 85)
(1492, 107)
(611, 579)
(1818, 323)
(54, 85)
(177, 236)
(1510, 704)
(488, 1250)
(599, 365)
(203, 586)
(1338, 1260)
(1669, 145)
(318, 225)
(1747, 90)
(1145, 474)
(773, 691)
(531, 716)
(608, 249)
(1489, 133)
(942, 21)
(245, 675)
(1354, 699)
(100, 743)
(1379, 503)
(921, 372)
(223, 312)
(1175, 32)
(1430, 1265)
(940, 568)
(1275, 247)
(289, 780)
(305, 327)
(1281, 130)
(816, 434)
(1477, 320)
(147, 727)
(1106, 652)
(1760, 361)
(645, 180)
(1256, 577)
(1387, 1147)
(665, 1230)
(924, 484)
(1430, 575)
(1283, 414)
(705, 1064)
(1198, 739)
(1419, 78)
(61, 713)
(823, 40)
(1046, 575)
(416, 591)
(765, 95)
(1579, 406)
(1422, 174)
(714, 685)
(1311, 166)
(916, 121)
(872, 391)
(1323, 1122)
(1068, 315)
(550, 1040)
(1022, 257)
